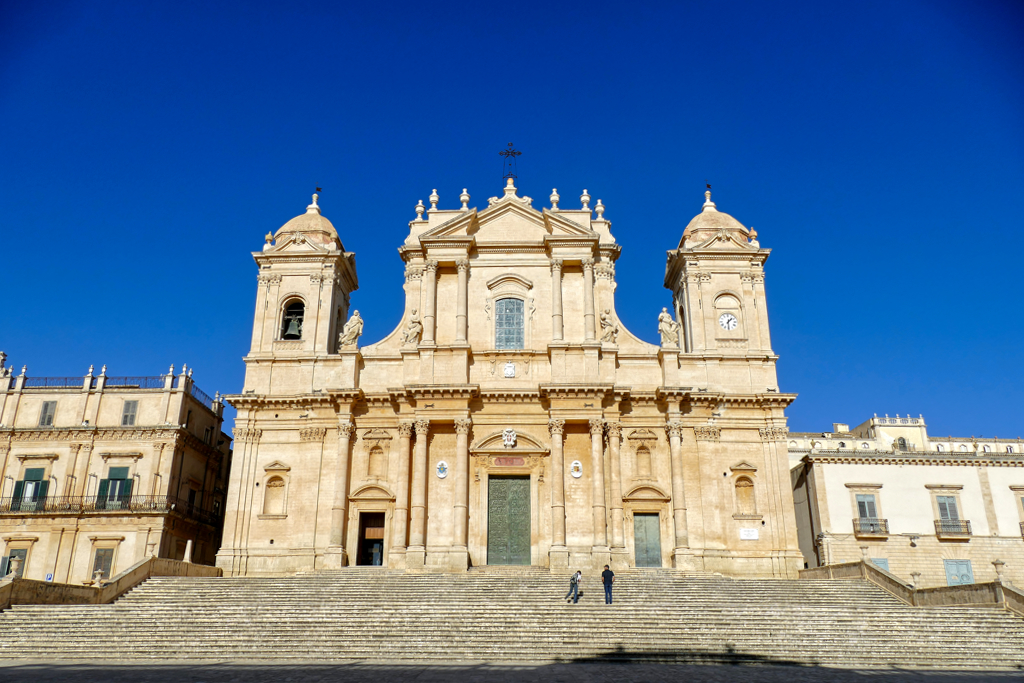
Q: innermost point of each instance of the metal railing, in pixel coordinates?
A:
(870, 526)
(202, 396)
(105, 505)
(54, 382)
(952, 527)
(137, 382)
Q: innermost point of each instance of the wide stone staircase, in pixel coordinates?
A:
(514, 615)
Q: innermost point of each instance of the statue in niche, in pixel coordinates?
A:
(413, 330)
(609, 328)
(350, 333)
(668, 328)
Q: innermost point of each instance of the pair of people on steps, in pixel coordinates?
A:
(607, 578)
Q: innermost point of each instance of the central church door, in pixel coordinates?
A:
(647, 539)
(508, 520)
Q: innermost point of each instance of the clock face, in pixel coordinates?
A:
(728, 321)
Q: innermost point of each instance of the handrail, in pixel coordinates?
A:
(103, 505)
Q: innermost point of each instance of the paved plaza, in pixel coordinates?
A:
(384, 672)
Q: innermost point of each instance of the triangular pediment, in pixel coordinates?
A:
(743, 466)
(463, 225)
(277, 466)
(496, 442)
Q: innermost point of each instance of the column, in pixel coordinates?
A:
(588, 298)
(400, 523)
(597, 465)
(618, 517)
(462, 427)
(675, 435)
(338, 508)
(556, 305)
(557, 429)
(416, 553)
(430, 301)
(461, 315)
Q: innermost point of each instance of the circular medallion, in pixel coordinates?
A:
(442, 469)
(576, 469)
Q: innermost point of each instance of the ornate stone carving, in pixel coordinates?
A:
(614, 429)
(349, 335)
(705, 277)
(462, 264)
(462, 426)
(508, 438)
(413, 273)
(605, 270)
(609, 328)
(312, 434)
(405, 429)
(674, 429)
(596, 426)
(707, 433)
(413, 330)
(667, 328)
(345, 428)
(247, 435)
(315, 278)
(774, 433)
(422, 428)
(430, 267)
(556, 427)
(556, 265)
(588, 263)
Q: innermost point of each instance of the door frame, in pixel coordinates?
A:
(527, 477)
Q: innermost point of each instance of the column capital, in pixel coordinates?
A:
(345, 428)
(463, 425)
(422, 427)
(556, 264)
(674, 428)
(462, 264)
(430, 266)
(614, 429)
(596, 426)
(556, 426)
(405, 429)
(588, 263)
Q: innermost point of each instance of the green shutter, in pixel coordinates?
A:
(126, 489)
(118, 473)
(19, 487)
(5, 563)
(34, 474)
(41, 490)
(101, 494)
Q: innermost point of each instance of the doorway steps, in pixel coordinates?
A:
(518, 616)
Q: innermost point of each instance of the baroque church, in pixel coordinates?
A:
(510, 418)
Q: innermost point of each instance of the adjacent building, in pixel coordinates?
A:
(99, 472)
(931, 510)
(510, 418)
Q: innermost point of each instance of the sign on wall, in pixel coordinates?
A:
(748, 534)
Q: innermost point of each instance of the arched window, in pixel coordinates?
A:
(273, 497)
(963, 448)
(291, 323)
(864, 446)
(376, 465)
(643, 462)
(508, 324)
(842, 444)
(901, 443)
(744, 496)
(987, 449)
(940, 448)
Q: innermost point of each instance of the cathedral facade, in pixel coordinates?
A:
(510, 418)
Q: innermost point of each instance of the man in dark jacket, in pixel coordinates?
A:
(608, 578)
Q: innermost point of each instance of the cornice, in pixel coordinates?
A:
(88, 434)
(576, 390)
(255, 401)
(888, 458)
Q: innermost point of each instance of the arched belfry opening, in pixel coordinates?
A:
(291, 322)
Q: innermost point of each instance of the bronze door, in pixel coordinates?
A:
(508, 520)
(647, 539)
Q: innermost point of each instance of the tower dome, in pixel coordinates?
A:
(708, 222)
(313, 226)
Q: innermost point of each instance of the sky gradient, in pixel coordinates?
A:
(877, 148)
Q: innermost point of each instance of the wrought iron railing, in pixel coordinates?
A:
(202, 397)
(137, 382)
(54, 382)
(105, 505)
(870, 526)
(952, 527)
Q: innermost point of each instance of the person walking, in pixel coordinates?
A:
(608, 578)
(574, 587)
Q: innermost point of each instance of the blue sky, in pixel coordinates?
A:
(877, 147)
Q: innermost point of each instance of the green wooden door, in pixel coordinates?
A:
(508, 520)
(647, 539)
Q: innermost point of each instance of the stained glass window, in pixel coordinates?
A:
(508, 324)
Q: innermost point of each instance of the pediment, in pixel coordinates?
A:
(464, 225)
(513, 280)
(372, 492)
(725, 239)
(296, 242)
(743, 466)
(495, 443)
(376, 435)
(646, 492)
(277, 466)
(642, 435)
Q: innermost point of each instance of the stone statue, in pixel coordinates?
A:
(668, 328)
(609, 328)
(4, 371)
(413, 330)
(350, 333)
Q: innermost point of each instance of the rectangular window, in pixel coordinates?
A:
(47, 413)
(115, 491)
(866, 506)
(880, 562)
(947, 508)
(103, 562)
(131, 409)
(207, 435)
(16, 552)
(191, 497)
(508, 324)
(30, 493)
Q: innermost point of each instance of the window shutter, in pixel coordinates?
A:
(866, 506)
(19, 487)
(34, 474)
(5, 563)
(41, 490)
(101, 494)
(118, 473)
(126, 488)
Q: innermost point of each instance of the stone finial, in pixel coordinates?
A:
(419, 210)
(216, 397)
(24, 369)
(708, 204)
(184, 368)
(190, 372)
(554, 199)
(170, 371)
(510, 187)
(464, 198)
(434, 199)
(585, 200)
(314, 208)
(103, 370)
(915, 579)
(998, 564)
(599, 208)
(89, 374)
(268, 238)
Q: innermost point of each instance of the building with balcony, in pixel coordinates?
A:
(98, 472)
(931, 510)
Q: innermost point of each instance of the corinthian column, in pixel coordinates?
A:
(614, 438)
(461, 315)
(588, 299)
(556, 301)
(462, 428)
(400, 525)
(557, 429)
(675, 435)
(430, 304)
(597, 465)
(418, 531)
(337, 537)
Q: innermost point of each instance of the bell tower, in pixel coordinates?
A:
(304, 282)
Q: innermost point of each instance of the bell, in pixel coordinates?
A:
(293, 331)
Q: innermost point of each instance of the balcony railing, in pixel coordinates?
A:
(156, 382)
(94, 504)
(952, 528)
(53, 382)
(202, 397)
(870, 526)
